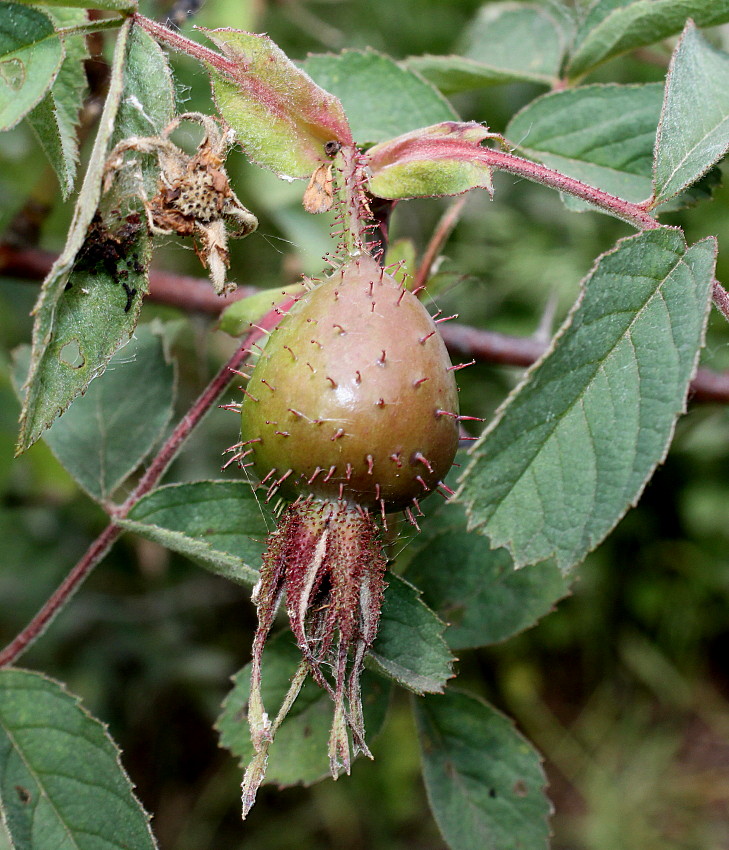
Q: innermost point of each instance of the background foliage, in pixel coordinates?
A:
(624, 689)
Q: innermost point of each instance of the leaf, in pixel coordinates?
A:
(381, 98)
(55, 119)
(218, 524)
(410, 648)
(299, 753)
(237, 318)
(694, 131)
(602, 135)
(444, 159)
(62, 785)
(281, 117)
(30, 56)
(506, 42)
(111, 429)
(573, 447)
(474, 588)
(484, 781)
(91, 299)
(612, 27)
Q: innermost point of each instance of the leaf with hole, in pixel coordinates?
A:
(109, 431)
(576, 442)
(485, 782)
(30, 56)
(61, 782)
(91, 299)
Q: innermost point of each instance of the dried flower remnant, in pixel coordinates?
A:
(194, 197)
(351, 408)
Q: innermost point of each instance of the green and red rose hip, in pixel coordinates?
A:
(352, 398)
(351, 410)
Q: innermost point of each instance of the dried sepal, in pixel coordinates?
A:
(326, 559)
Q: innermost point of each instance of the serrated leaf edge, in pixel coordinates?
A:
(474, 524)
(105, 731)
(517, 734)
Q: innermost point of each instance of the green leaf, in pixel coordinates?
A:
(506, 42)
(218, 524)
(30, 56)
(55, 119)
(410, 648)
(484, 781)
(299, 753)
(237, 318)
(91, 299)
(381, 98)
(573, 447)
(444, 159)
(475, 588)
(612, 27)
(281, 117)
(110, 430)
(694, 131)
(62, 785)
(602, 135)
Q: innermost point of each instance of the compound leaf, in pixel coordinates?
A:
(91, 299)
(381, 98)
(602, 135)
(506, 42)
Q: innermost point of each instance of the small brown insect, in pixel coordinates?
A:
(319, 194)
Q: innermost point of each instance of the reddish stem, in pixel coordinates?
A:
(104, 541)
(60, 596)
(721, 299)
(632, 213)
(442, 231)
(185, 45)
(492, 347)
(192, 294)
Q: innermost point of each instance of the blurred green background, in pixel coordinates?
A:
(624, 689)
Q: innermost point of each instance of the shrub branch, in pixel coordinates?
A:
(98, 549)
